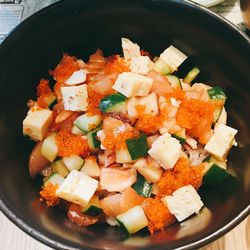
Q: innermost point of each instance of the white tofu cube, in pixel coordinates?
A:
(173, 57)
(130, 49)
(221, 141)
(184, 202)
(37, 122)
(75, 98)
(166, 150)
(77, 77)
(141, 64)
(132, 84)
(77, 188)
(150, 102)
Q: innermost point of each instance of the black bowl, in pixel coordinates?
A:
(79, 27)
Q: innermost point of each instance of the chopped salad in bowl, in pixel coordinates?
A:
(123, 140)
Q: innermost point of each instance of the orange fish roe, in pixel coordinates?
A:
(70, 144)
(147, 123)
(43, 88)
(116, 64)
(43, 91)
(67, 66)
(193, 111)
(94, 99)
(116, 133)
(158, 214)
(181, 175)
(176, 93)
(48, 193)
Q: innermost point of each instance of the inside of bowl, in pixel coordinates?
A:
(79, 28)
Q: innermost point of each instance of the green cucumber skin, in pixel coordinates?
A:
(82, 122)
(108, 102)
(93, 211)
(142, 187)
(216, 93)
(214, 176)
(180, 139)
(124, 229)
(137, 147)
(93, 142)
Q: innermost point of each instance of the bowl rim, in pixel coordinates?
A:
(36, 234)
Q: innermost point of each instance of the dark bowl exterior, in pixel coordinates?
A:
(79, 27)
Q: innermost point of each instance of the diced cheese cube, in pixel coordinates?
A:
(77, 77)
(221, 141)
(37, 122)
(141, 64)
(132, 84)
(166, 150)
(184, 202)
(173, 57)
(150, 102)
(75, 98)
(130, 49)
(77, 188)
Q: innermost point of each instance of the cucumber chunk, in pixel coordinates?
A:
(113, 103)
(216, 93)
(218, 97)
(73, 162)
(212, 160)
(191, 75)
(49, 148)
(214, 176)
(137, 147)
(93, 208)
(175, 81)
(76, 131)
(50, 100)
(162, 67)
(142, 187)
(55, 179)
(59, 167)
(87, 122)
(132, 220)
(93, 142)
(180, 136)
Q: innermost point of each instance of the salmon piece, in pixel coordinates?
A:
(102, 84)
(62, 119)
(197, 117)
(76, 216)
(117, 179)
(116, 133)
(95, 65)
(119, 203)
(36, 161)
(161, 85)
